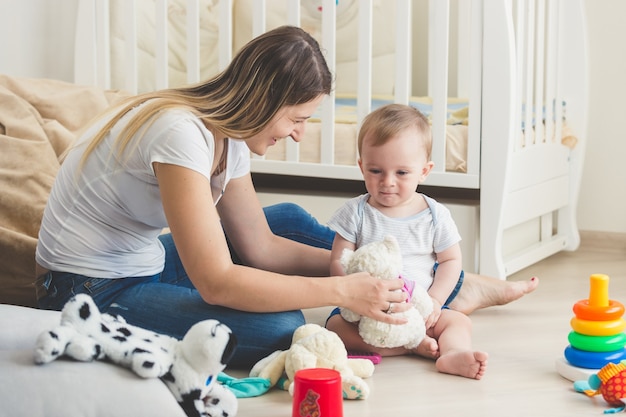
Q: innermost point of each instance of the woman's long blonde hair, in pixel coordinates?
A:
(281, 67)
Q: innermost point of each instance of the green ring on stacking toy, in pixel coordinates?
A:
(597, 343)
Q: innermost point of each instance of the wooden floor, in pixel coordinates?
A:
(524, 340)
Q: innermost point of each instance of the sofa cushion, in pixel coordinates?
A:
(65, 387)
(38, 121)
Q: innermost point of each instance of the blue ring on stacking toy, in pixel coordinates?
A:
(592, 360)
(597, 343)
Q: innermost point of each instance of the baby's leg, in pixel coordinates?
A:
(453, 333)
(428, 348)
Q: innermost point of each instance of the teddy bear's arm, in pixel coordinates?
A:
(349, 315)
(271, 367)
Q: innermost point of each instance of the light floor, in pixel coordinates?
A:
(524, 339)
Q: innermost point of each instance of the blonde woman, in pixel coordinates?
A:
(179, 158)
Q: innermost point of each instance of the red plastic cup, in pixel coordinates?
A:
(317, 393)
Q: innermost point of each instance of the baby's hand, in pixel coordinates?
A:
(432, 318)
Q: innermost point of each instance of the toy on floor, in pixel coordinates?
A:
(597, 337)
(188, 367)
(384, 260)
(313, 346)
(610, 381)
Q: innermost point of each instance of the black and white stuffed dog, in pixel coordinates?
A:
(189, 367)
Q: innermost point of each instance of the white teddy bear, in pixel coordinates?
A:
(313, 346)
(384, 260)
(188, 367)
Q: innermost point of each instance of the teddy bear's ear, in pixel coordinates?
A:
(391, 241)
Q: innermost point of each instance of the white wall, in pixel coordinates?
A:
(36, 40)
(602, 201)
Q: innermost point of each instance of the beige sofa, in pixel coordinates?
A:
(38, 119)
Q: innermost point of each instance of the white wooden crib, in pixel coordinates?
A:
(475, 66)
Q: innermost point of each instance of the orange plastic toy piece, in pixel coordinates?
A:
(598, 307)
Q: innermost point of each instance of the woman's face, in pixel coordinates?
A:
(290, 121)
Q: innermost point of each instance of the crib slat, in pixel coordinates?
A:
(475, 90)
(161, 70)
(403, 51)
(258, 18)
(329, 37)
(520, 24)
(464, 44)
(439, 39)
(85, 68)
(193, 41)
(559, 73)
(225, 34)
(258, 27)
(293, 12)
(364, 60)
(103, 49)
(130, 34)
(292, 149)
(539, 71)
(529, 73)
(551, 68)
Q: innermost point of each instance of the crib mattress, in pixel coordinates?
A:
(346, 130)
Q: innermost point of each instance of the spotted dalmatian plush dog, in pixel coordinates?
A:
(189, 367)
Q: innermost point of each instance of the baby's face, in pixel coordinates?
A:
(393, 171)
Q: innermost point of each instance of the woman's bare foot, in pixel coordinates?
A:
(468, 364)
(479, 291)
(428, 348)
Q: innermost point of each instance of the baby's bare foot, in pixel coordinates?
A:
(468, 364)
(480, 292)
(429, 348)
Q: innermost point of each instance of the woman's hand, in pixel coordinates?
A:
(375, 298)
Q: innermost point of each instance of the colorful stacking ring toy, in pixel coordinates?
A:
(597, 343)
(598, 328)
(592, 360)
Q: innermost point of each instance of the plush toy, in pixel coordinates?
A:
(313, 346)
(610, 381)
(383, 260)
(188, 367)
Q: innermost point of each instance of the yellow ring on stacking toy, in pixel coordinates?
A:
(585, 311)
(598, 328)
(597, 343)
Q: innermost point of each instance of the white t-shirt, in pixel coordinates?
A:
(104, 220)
(420, 236)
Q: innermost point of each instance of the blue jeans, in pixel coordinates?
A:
(168, 303)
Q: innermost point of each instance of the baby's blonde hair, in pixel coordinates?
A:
(385, 122)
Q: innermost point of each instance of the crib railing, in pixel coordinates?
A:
(528, 38)
(469, 32)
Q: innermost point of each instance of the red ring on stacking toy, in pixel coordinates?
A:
(592, 360)
(598, 328)
(586, 311)
(597, 343)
